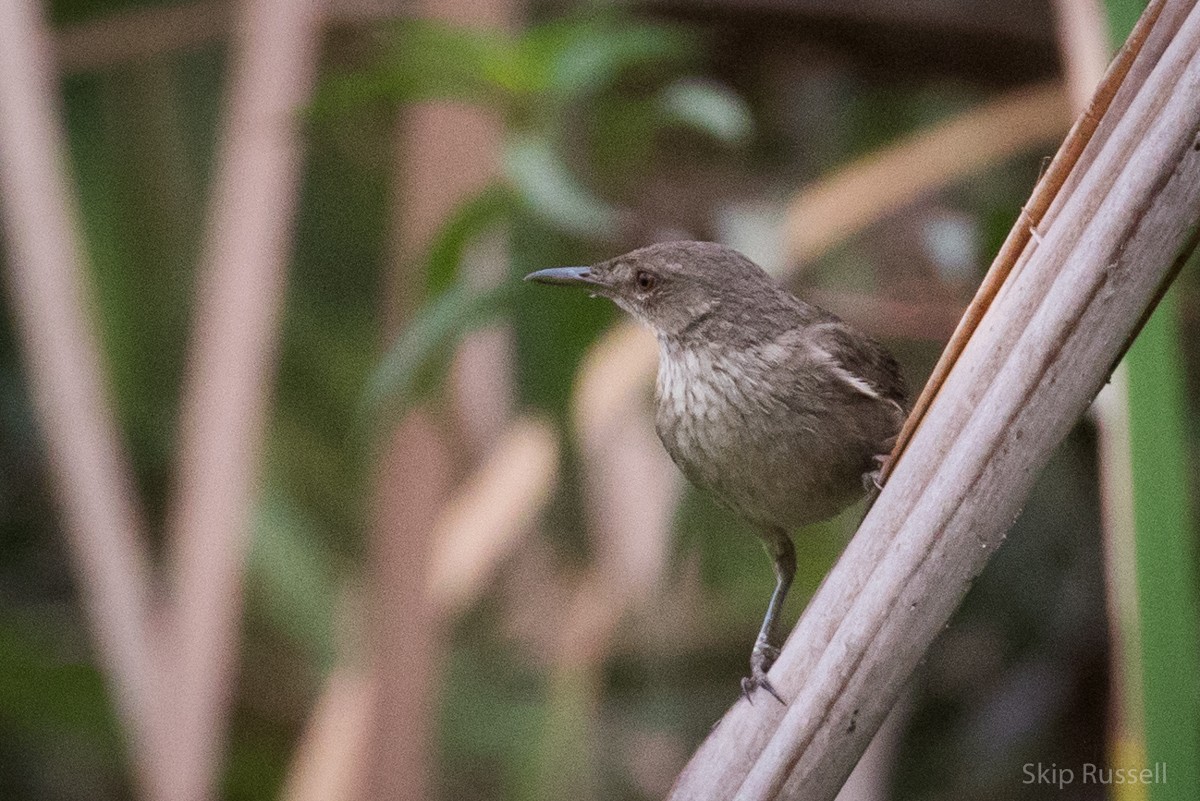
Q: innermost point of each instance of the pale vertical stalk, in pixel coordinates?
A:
(446, 152)
(632, 492)
(473, 533)
(491, 510)
(450, 151)
(1083, 47)
(1127, 731)
(1083, 42)
(327, 764)
(230, 369)
(50, 296)
(481, 373)
(405, 640)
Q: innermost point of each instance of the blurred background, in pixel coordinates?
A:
(304, 496)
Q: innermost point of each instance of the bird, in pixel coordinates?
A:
(778, 408)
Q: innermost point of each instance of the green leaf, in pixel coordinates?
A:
(579, 57)
(553, 63)
(299, 587)
(1163, 657)
(427, 60)
(1167, 605)
(708, 108)
(411, 367)
(552, 191)
(483, 211)
(436, 60)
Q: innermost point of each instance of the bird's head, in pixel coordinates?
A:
(673, 286)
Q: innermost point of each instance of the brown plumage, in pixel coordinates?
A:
(778, 408)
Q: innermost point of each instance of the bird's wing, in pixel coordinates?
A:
(867, 365)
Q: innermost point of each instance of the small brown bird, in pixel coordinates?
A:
(778, 408)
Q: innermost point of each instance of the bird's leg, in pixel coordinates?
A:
(766, 647)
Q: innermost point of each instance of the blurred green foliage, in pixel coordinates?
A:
(1167, 674)
(1162, 671)
(597, 108)
(543, 83)
(419, 357)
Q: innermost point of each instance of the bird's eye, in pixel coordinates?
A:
(646, 281)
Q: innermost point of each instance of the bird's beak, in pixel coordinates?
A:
(570, 276)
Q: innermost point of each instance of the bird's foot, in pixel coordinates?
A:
(761, 659)
(873, 480)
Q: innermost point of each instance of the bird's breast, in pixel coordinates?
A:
(712, 413)
(694, 383)
(726, 422)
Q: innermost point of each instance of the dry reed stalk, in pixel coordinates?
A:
(445, 153)
(92, 478)
(480, 524)
(1032, 215)
(489, 513)
(1083, 45)
(404, 627)
(231, 364)
(1084, 48)
(327, 764)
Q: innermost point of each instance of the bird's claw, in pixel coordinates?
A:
(761, 659)
(750, 684)
(873, 479)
